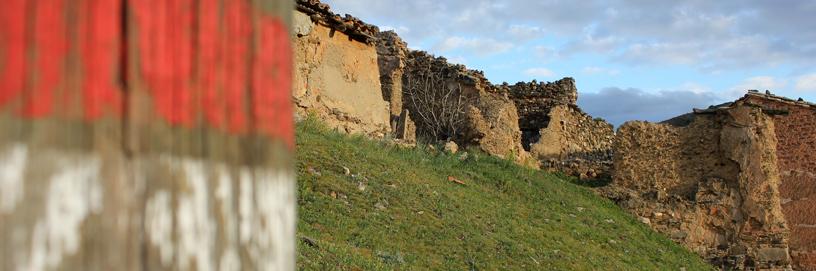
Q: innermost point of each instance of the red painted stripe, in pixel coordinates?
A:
(51, 47)
(233, 65)
(272, 81)
(210, 67)
(100, 41)
(12, 49)
(236, 49)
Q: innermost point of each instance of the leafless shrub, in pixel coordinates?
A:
(435, 100)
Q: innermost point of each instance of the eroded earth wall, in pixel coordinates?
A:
(712, 186)
(796, 149)
(337, 73)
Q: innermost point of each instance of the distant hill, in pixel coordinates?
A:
(373, 205)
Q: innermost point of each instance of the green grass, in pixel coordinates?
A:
(410, 217)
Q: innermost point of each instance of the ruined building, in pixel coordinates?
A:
(360, 80)
(336, 71)
(556, 132)
(796, 152)
(732, 182)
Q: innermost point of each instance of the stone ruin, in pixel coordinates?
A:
(360, 80)
(556, 132)
(732, 182)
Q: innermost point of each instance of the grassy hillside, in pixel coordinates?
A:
(397, 208)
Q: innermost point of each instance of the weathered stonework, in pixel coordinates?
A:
(575, 143)
(712, 185)
(557, 133)
(535, 101)
(391, 54)
(796, 151)
(337, 78)
(484, 117)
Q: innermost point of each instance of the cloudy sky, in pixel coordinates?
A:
(632, 60)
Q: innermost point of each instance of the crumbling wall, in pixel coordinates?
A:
(796, 151)
(391, 54)
(558, 133)
(472, 111)
(575, 143)
(337, 73)
(534, 102)
(712, 185)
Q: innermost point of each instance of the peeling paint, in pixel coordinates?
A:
(275, 221)
(196, 230)
(74, 193)
(12, 166)
(224, 194)
(159, 224)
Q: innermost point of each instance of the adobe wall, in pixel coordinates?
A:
(712, 186)
(796, 133)
(337, 72)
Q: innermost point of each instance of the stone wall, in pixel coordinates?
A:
(534, 102)
(391, 56)
(337, 72)
(796, 150)
(712, 186)
(575, 143)
(557, 133)
(482, 117)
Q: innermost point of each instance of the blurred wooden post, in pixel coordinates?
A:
(146, 135)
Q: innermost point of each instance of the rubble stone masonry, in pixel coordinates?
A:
(712, 186)
(557, 133)
(796, 133)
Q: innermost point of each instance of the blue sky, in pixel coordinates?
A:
(632, 60)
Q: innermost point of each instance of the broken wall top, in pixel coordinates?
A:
(349, 25)
(561, 92)
(422, 59)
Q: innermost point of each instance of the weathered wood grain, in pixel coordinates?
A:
(146, 135)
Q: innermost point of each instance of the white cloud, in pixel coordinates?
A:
(401, 30)
(525, 32)
(757, 83)
(695, 88)
(709, 35)
(761, 83)
(479, 46)
(637, 104)
(592, 70)
(806, 82)
(539, 72)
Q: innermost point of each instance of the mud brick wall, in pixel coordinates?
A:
(337, 76)
(796, 133)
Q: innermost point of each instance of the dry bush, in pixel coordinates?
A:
(435, 101)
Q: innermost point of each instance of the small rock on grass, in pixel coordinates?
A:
(313, 171)
(451, 147)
